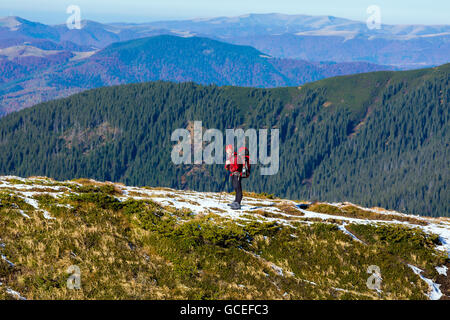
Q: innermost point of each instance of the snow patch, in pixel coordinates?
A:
(7, 261)
(442, 270)
(31, 202)
(35, 204)
(278, 270)
(343, 229)
(24, 214)
(15, 294)
(47, 215)
(443, 231)
(3, 257)
(435, 292)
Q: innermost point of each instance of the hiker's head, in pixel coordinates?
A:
(229, 149)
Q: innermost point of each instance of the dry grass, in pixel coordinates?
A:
(89, 182)
(289, 208)
(257, 204)
(43, 250)
(217, 209)
(159, 189)
(139, 194)
(358, 213)
(255, 195)
(42, 178)
(263, 213)
(138, 249)
(93, 183)
(268, 214)
(35, 189)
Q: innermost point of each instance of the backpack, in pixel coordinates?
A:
(244, 158)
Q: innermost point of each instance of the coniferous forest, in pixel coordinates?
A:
(376, 139)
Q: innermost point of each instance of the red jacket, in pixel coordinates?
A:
(232, 164)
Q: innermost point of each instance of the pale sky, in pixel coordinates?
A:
(392, 11)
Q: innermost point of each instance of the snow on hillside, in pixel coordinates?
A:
(11, 23)
(253, 204)
(200, 202)
(204, 202)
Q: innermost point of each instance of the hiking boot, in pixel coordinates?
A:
(235, 206)
(231, 204)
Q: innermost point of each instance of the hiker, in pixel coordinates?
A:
(239, 166)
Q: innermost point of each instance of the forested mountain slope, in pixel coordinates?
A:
(379, 139)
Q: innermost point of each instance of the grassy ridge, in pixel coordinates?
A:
(139, 249)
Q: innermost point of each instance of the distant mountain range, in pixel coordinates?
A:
(314, 38)
(321, 38)
(91, 36)
(276, 24)
(41, 62)
(31, 75)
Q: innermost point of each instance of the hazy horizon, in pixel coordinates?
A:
(200, 18)
(136, 11)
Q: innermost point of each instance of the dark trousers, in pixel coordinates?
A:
(236, 179)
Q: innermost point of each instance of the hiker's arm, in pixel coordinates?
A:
(227, 164)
